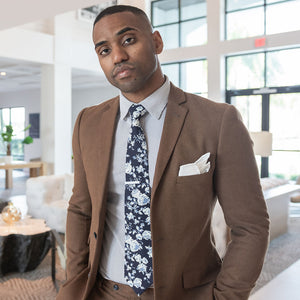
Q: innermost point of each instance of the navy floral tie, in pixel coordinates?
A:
(138, 249)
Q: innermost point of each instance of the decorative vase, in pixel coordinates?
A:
(11, 214)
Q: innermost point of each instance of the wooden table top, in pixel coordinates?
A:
(26, 226)
(21, 164)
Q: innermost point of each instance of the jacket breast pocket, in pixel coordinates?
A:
(195, 179)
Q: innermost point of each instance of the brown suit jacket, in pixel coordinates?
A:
(186, 264)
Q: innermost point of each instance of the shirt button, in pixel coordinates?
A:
(116, 287)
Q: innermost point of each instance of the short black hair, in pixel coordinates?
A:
(120, 8)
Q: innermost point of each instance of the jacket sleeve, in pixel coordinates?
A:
(78, 222)
(239, 192)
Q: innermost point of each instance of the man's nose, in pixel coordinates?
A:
(119, 55)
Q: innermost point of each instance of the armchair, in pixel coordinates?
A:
(48, 197)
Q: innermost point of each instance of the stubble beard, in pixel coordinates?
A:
(133, 85)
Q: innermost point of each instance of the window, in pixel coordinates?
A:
(247, 18)
(265, 88)
(191, 76)
(283, 67)
(250, 108)
(285, 126)
(257, 70)
(181, 23)
(245, 71)
(16, 117)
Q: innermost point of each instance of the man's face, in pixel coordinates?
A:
(127, 51)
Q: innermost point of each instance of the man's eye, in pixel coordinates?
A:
(129, 41)
(103, 51)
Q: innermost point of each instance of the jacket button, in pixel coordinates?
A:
(95, 235)
(116, 287)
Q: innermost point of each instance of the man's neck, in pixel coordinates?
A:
(139, 96)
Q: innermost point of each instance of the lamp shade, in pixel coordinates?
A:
(262, 143)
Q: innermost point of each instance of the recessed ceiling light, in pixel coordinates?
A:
(2, 73)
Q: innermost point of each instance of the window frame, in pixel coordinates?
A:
(264, 5)
(179, 22)
(179, 63)
(265, 52)
(265, 92)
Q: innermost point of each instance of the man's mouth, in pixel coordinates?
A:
(122, 71)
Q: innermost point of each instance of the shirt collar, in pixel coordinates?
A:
(154, 104)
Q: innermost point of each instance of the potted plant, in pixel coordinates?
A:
(7, 136)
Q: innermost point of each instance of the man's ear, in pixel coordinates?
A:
(158, 42)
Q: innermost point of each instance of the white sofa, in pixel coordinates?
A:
(278, 193)
(47, 198)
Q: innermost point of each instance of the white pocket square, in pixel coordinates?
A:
(200, 166)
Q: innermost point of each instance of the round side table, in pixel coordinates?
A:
(23, 245)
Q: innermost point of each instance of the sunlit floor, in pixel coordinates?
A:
(285, 286)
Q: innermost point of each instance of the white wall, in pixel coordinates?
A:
(89, 97)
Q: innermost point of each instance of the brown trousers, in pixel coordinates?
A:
(110, 290)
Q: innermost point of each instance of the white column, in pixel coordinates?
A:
(56, 109)
(56, 101)
(214, 59)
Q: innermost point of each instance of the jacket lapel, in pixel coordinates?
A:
(174, 120)
(104, 136)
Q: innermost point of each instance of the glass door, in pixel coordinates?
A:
(250, 108)
(269, 79)
(277, 111)
(285, 126)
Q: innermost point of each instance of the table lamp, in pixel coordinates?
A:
(262, 146)
(262, 143)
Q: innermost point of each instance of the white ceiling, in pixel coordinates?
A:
(22, 75)
(19, 75)
(15, 13)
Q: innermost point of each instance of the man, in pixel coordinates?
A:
(190, 150)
